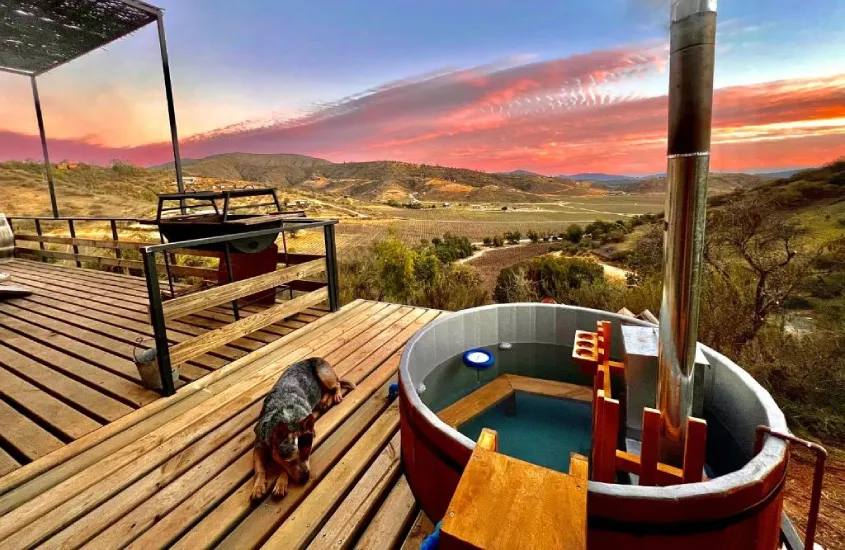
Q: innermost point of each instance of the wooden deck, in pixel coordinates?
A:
(178, 472)
(66, 351)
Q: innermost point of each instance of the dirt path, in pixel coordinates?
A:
(567, 205)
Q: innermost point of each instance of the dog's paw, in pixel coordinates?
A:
(338, 397)
(259, 489)
(280, 489)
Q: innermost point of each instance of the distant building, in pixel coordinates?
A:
(445, 205)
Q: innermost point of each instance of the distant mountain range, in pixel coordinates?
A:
(386, 180)
(383, 180)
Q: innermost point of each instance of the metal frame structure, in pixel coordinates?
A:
(158, 16)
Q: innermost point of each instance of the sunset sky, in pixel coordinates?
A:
(553, 86)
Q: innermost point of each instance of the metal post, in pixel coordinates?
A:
(157, 320)
(171, 109)
(50, 185)
(117, 252)
(73, 244)
(818, 475)
(231, 276)
(331, 267)
(38, 232)
(692, 53)
(167, 268)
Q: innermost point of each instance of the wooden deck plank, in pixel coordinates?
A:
(97, 322)
(298, 529)
(90, 273)
(173, 525)
(364, 364)
(392, 520)
(27, 483)
(44, 408)
(117, 470)
(232, 518)
(121, 519)
(389, 320)
(7, 463)
(29, 331)
(191, 325)
(104, 381)
(180, 475)
(117, 307)
(351, 517)
(119, 288)
(25, 436)
(94, 403)
(80, 275)
(93, 290)
(421, 529)
(129, 319)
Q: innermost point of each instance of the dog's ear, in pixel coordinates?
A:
(307, 424)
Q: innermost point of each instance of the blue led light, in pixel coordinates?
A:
(478, 359)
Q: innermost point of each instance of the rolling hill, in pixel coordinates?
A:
(385, 180)
(718, 183)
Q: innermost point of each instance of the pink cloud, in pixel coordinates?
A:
(557, 116)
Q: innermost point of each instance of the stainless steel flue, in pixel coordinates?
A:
(692, 52)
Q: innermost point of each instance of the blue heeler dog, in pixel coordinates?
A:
(285, 428)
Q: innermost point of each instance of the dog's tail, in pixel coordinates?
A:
(347, 386)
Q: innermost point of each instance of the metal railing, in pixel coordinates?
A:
(157, 317)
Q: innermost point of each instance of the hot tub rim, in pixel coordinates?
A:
(754, 473)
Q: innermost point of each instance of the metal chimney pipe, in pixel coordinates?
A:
(692, 52)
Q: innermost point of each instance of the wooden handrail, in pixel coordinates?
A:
(93, 243)
(182, 270)
(199, 301)
(193, 348)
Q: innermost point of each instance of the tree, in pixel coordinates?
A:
(771, 253)
(487, 241)
(574, 233)
(513, 237)
(533, 236)
(498, 241)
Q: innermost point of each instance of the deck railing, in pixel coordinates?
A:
(109, 251)
(293, 277)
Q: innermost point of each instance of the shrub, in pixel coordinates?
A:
(389, 270)
(513, 237)
(533, 236)
(487, 241)
(452, 248)
(498, 241)
(544, 276)
(573, 233)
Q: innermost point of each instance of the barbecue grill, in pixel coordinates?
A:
(213, 214)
